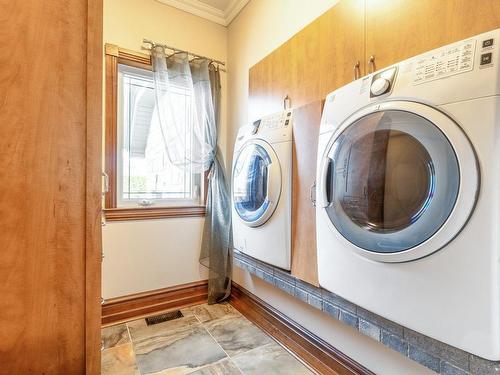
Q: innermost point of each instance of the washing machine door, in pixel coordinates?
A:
(256, 182)
(399, 180)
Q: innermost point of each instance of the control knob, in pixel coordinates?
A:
(380, 86)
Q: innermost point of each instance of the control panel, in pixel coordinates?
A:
(275, 121)
(456, 59)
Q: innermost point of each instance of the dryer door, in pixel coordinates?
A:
(256, 182)
(393, 180)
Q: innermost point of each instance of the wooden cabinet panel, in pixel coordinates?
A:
(270, 82)
(306, 121)
(399, 29)
(341, 45)
(314, 62)
(50, 147)
(321, 57)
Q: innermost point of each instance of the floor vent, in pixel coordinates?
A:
(171, 315)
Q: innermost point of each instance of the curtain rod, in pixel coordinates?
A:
(153, 44)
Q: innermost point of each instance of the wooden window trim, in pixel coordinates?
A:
(139, 213)
(115, 55)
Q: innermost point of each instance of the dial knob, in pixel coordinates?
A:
(380, 86)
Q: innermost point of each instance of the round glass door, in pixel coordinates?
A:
(392, 181)
(256, 183)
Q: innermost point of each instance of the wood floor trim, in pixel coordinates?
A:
(314, 351)
(141, 304)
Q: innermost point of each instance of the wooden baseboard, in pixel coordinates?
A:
(141, 304)
(317, 353)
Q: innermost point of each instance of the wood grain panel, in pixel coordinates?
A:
(306, 122)
(317, 353)
(399, 29)
(320, 57)
(314, 62)
(93, 237)
(50, 177)
(147, 303)
(270, 82)
(111, 131)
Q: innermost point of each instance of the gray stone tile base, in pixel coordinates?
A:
(435, 355)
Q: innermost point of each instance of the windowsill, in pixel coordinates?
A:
(144, 213)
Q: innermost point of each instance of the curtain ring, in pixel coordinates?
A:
(160, 47)
(213, 64)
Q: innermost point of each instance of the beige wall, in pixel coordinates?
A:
(150, 254)
(153, 254)
(261, 27)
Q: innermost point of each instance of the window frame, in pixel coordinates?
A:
(114, 56)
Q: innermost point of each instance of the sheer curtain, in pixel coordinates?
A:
(190, 135)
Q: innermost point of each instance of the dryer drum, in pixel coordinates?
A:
(394, 182)
(255, 168)
(389, 181)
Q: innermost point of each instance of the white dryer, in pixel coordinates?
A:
(261, 189)
(408, 206)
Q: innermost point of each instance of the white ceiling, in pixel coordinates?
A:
(218, 11)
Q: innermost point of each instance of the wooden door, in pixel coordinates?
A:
(50, 182)
(306, 122)
(399, 29)
(315, 61)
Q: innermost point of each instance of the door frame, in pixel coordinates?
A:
(93, 198)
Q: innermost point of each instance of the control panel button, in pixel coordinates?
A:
(486, 58)
(379, 86)
(487, 43)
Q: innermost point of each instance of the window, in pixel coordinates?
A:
(145, 175)
(143, 181)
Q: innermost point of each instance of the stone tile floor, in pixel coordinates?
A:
(208, 340)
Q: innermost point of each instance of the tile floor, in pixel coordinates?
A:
(208, 340)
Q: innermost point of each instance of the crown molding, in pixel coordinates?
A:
(200, 9)
(233, 9)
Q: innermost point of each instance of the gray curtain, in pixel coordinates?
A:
(217, 245)
(192, 142)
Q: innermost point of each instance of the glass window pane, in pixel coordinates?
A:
(146, 175)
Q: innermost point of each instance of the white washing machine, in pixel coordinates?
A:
(408, 206)
(261, 189)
